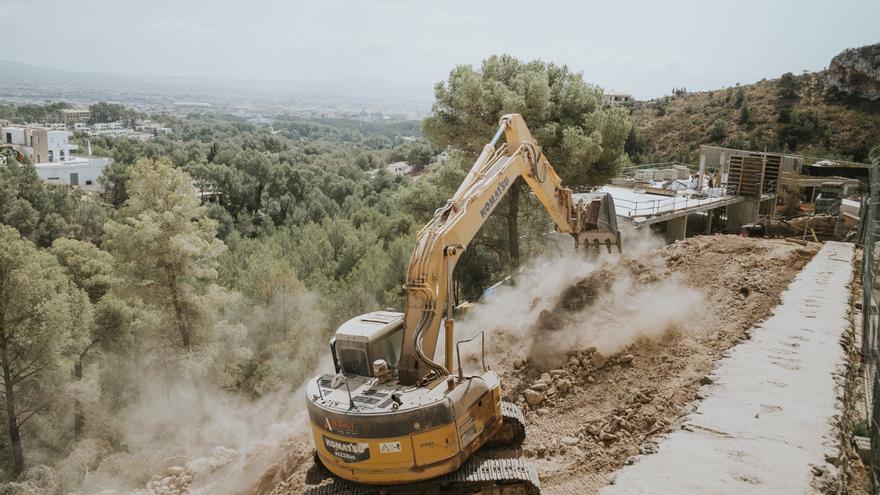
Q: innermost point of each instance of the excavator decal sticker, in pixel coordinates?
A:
(490, 203)
(389, 447)
(347, 451)
(340, 427)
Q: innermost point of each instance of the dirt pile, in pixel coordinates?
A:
(291, 473)
(622, 293)
(575, 298)
(602, 357)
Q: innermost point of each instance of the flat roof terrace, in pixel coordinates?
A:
(645, 208)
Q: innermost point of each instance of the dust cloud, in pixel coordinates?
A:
(571, 301)
(191, 437)
(184, 431)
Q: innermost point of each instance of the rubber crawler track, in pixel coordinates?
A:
(505, 476)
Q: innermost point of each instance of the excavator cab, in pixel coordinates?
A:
(365, 339)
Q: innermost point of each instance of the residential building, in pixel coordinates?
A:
(73, 115)
(614, 99)
(149, 127)
(51, 153)
(57, 146)
(398, 168)
(39, 144)
(76, 171)
(108, 126)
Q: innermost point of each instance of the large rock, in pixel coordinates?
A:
(533, 398)
(607, 437)
(557, 373)
(857, 72)
(539, 386)
(563, 385)
(570, 441)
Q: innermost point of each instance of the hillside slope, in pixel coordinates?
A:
(804, 114)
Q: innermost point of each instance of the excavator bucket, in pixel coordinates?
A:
(597, 222)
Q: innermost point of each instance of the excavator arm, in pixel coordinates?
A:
(444, 239)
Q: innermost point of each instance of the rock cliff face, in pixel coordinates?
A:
(857, 72)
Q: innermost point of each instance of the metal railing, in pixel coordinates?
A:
(653, 207)
(869, 236)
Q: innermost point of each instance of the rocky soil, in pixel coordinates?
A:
(589, 413)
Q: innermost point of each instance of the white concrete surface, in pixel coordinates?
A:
(632, 204)
(767, 418)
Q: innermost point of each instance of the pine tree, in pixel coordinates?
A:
(44, 319)
(166, 244)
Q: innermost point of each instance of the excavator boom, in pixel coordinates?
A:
(443, 240)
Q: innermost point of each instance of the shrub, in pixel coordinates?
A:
(717, 132)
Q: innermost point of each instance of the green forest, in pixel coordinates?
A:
(222, 257)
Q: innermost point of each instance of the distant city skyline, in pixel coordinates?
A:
(639, 47)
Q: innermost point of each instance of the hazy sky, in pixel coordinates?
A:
(642, 47)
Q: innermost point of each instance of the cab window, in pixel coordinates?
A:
(354, 361)
(388, 348)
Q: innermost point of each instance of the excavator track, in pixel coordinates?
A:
(476, 476)
(513, 427)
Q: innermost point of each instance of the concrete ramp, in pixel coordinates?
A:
(767, 417)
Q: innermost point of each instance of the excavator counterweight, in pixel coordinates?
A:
(394, 418)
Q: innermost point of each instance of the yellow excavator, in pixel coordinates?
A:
(392, 420)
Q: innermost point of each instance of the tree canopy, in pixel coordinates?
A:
(581, 138)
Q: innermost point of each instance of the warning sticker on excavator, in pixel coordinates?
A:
(347, 451)
(389, 447)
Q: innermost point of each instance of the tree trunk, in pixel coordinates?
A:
(177, 300)
(78, 418)
(11, 415)
(259, 196)
(512, 221)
